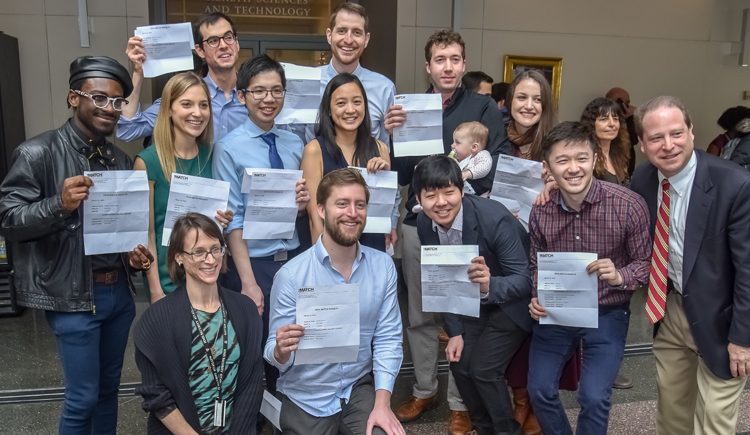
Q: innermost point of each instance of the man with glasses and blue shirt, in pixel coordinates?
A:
(258, 143)
(216, 42)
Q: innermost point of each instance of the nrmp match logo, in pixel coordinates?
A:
(426, 248)
(96, 174)
(181, 177)
(307, 289)
(547, 255)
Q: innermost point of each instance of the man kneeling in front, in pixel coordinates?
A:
(338, 397)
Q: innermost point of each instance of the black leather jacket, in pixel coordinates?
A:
(50, 269)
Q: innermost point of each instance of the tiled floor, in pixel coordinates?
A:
(28, 360)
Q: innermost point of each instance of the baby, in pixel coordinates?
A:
(469, 141)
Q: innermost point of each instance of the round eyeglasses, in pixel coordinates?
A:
(201, 255)
(102, 101)
(214, 41)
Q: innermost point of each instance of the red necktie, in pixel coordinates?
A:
(657, 285)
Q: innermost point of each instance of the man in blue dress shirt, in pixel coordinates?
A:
(216, 42)
(258, 144)
(339, 397)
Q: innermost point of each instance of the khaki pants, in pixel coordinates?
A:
(691, 399)
(422, 332)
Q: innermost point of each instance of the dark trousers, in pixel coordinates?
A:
(490, 342)
(92, 348)
(352, 420)
(264, 271)
(603, 349)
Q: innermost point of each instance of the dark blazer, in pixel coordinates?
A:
(716, 259)
(504, 244)
(163, 338)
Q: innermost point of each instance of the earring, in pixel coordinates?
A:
(179, 264)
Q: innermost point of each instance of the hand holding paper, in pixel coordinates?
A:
(272, 203)
(422, 132)
(446, 284)
(566, 289)
(287, 340)
(168, 48)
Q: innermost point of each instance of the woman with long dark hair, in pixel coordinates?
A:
(603, 116)
(343, 138)
(533, 112)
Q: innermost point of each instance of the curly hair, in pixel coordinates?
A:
(443, 38)
(619, 149)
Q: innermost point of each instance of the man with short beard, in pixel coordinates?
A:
(42, 218)
(339, 397)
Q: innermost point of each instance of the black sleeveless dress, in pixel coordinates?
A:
(330, 163)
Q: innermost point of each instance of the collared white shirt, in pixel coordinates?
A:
(680, 188)
(455, 234)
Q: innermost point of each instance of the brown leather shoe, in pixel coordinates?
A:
(622, 383)
(521, 407)
(443, 337)
(460, 423)
(531, 426)
(414, 408)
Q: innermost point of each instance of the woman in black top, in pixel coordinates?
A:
(343, 139)
(197, 338)
(613, 150)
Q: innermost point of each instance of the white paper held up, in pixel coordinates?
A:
(302, 98)
(422, 134)
(187, 194)
(168, 48)
(517, 183)
(330, 315)
(568, 293)
(446, 287)
(270, 207)
(115, 217)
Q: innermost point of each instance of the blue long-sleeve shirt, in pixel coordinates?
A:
(318, 388)
(228, 114)
(244, 148)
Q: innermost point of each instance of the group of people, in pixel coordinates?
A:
(223, 314)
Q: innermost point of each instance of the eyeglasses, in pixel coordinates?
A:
(261, 94)
(214, 41)
(201, 255)
(102, 101)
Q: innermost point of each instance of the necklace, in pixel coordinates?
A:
(200, 168)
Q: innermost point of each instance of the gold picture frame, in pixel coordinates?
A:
(550, 67)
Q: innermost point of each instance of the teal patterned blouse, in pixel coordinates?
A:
(202, 381)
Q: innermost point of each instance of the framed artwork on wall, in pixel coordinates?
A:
(550, 67)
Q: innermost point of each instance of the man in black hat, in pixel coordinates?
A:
(86, 298)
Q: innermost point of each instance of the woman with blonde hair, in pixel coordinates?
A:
(182, 144)
(533, 113)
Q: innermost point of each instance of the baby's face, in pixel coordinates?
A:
(461, 145)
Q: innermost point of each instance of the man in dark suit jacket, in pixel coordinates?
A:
(480, 348)
(702, 334)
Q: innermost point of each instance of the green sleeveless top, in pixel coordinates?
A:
(199, 166)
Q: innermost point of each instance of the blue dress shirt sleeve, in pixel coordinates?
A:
(283, 312)
(224, 169)
(387, 340)
(140, 125)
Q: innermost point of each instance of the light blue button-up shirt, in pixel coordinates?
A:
(227, 114)
(319, 388)
(244, 148)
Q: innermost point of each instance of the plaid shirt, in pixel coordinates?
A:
(613, 223)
